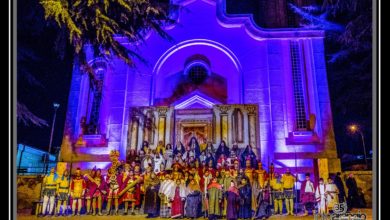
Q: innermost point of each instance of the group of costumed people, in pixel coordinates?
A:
(185, 181)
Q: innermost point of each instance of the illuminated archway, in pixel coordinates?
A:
(193, 43)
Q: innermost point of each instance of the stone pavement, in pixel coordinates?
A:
(368, 212)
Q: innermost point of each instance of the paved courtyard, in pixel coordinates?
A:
(368, 212)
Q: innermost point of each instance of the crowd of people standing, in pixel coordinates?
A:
(189, 181)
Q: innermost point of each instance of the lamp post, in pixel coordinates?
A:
(55, 106)
(354, 128)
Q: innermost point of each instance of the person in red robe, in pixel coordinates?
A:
(129, 197)
(90, 186)
(221, 162)
(178, 201)
(98, 189)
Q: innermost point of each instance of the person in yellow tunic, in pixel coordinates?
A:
(176, 171)
(288, 181)
(277, 193)
(49, 192)
(234, 169)
(63, 185)
(203, 146)
(261, 175)
(214, 194)
(258, 184)
(160, 149)
(249, 171)
(271, 171)
(145, 146)
(77, 190)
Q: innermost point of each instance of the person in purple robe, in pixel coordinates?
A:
(179, 148)
(245, 210)
(233, 198)
(263, 200)
(209, 157)
(307, 195)
(235, 150)
(248, 154)
(209, 148)
(222, 149)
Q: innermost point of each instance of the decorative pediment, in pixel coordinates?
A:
(195, 100)
(244, 21)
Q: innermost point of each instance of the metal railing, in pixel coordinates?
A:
(35, 170)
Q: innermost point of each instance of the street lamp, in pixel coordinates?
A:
(55, 106)
(354, 128)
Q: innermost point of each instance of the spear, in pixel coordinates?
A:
(89, 177)
(296, 179)
(269, 181)
(131, 185)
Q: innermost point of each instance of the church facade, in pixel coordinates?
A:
(221, 77)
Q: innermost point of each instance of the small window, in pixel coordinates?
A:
(197, 74)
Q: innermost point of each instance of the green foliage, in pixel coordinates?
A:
(99, 22)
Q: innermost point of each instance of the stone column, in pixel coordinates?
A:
(252, 125)
(323, 171)
(134, 130)
(224, 123)
(238, 126)
(213, 128)
(149, 127)
(162, 118)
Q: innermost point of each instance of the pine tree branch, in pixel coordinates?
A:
(25, 116)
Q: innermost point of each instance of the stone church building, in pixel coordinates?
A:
(222, 77)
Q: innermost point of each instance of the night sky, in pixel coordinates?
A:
(38, 57)
(48, 57)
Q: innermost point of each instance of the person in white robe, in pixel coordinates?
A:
(166, 193)
(168, 156)
(321, 197)
(332, 192)
(146, 162)
(158, 160)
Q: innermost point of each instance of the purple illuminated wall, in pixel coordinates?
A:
(255, 64)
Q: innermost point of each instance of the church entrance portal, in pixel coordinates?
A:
(231, 123)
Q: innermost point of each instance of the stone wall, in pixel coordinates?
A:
(28, 192)
(364, 181)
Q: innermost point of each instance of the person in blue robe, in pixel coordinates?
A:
(248, 154)
(245, 210)
(193, 207)
(179, 148)
(194, 146)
